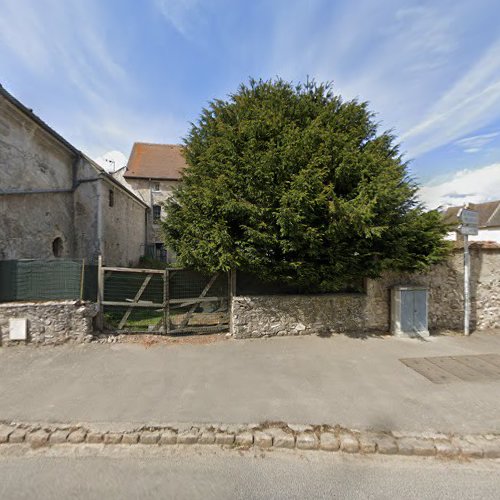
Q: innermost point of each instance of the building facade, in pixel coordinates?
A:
(489, 221)
(153, 172)
(57, 202)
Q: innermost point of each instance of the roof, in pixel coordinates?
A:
(115, 182)
(29, 112)
(156, 161)
(99, 170)
(489, 214)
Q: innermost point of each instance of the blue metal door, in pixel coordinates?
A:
(407, 310)
(420, 310)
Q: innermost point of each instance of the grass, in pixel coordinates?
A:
(142, 319)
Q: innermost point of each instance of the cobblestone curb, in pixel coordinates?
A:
(264, 436)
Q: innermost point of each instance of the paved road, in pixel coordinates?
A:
(339, 380)
(228, 475)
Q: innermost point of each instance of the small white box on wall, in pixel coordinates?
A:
(18, 329)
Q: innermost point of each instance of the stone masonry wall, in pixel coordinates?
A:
(52, 322)
(53, 194)
(31, 159)
(124, 227)
(277, 315)
(273, 315)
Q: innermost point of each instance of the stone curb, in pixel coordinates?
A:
(264, 436)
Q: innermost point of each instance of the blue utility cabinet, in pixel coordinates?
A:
(409, 311)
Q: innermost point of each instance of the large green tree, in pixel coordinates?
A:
(292, 183)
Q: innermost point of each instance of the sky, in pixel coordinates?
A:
(108, 73)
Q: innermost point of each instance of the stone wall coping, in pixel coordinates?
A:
(477, 246)
(303, 296)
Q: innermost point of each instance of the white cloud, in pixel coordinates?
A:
(50, 44)
(425, 35)
(472, 102)
(64, 45)
(393, 57)
(21, 31)
(476, 143)
(181, 14)
(111, 161)
(475, 186)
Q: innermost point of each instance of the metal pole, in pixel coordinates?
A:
(466, 285)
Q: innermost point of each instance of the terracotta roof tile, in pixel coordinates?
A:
(156, 161)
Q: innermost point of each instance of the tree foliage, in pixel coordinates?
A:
(292, 183)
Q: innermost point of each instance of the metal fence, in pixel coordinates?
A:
(159, 253)
(169, 300)
(58, 279)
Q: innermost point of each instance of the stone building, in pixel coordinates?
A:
(57, 202)
(153, 172)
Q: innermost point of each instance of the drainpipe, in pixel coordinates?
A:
(99, 221)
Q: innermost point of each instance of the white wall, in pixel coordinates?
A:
(483, 235)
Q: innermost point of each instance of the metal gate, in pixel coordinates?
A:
(169, 301)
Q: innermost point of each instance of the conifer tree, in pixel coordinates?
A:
(292, 183)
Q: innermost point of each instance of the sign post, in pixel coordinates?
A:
(466, 285)
(469, 226)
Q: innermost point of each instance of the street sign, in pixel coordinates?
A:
(468, 217)
(468, 230)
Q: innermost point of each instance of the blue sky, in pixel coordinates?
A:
(107, 73)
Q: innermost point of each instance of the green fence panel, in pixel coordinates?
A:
(25, 280)
(122, 286)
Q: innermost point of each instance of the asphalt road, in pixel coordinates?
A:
(221, 474)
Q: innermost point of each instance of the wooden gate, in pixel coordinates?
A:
(196, 303)
(170, 301)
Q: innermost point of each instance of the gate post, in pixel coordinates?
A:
(100, 295)
(166, 302)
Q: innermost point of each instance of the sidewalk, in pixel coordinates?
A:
(355, 383)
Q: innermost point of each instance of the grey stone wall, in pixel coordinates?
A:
(370, 312)
(144, 188)
(86, 224)
(52, 322)
(276, 315)
(31, 159)
(124, 227)
(73, 204)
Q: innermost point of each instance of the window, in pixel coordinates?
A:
(111, 197)
(156, 186)
(57, 247)
(156, 213)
